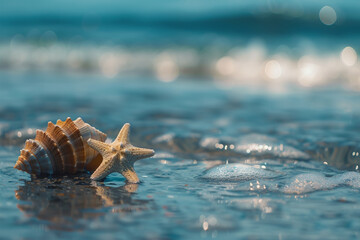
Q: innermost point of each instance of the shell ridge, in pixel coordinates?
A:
(52, 132)
(42, 158)
(67, 151)
(20, 165)
(50, 147)
(76, 140)
(27, 155)
(26, 165)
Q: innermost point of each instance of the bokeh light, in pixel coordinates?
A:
(348, 56)
(273, 69)
(327, 15)
(225, 66)
(110, 64)
(308, 72)
(166, 68)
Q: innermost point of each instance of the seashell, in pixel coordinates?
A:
(61, 149)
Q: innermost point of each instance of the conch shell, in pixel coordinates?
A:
(61, 149)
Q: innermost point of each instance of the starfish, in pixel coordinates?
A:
(119, 156)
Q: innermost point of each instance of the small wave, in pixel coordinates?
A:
(238, 172)
(311, 182)
(299, 184)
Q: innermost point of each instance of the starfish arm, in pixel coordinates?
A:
(101, 147)
(123, 136)
(135, 153)
(129, 173)
(105, 168)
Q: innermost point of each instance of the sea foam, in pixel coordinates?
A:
(237, 172)
(311, 182)
(299, 184)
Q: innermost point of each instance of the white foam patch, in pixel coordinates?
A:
(308, 182)
(311, 182)
(237, 172)
(299, 184)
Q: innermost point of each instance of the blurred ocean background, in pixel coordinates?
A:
(275, 44)
(252, 108)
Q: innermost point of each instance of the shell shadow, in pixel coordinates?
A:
(64, 203)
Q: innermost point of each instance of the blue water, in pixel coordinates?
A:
(269, 182)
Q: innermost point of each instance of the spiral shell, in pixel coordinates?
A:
(61, 149)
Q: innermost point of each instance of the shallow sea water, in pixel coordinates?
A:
(230, 163)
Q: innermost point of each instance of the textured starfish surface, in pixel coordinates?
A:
(119, 156)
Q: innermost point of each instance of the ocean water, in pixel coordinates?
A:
(252, 109)
(230, 163)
